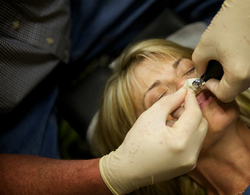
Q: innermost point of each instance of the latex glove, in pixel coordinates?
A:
(152, 151)
(227, 40)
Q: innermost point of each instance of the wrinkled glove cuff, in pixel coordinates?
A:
(104, 177)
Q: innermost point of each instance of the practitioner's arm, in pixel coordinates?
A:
(153, 151)
(26, 174)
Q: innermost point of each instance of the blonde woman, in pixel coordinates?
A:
(147, 71)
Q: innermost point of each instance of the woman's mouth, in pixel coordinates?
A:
(204, 98)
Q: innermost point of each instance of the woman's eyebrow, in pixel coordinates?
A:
(155, 84)
(176, 63)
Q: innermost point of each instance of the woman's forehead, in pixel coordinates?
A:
(155, 65)
(146, 72)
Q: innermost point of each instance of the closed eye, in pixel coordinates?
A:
(163, 94)
(190, 71)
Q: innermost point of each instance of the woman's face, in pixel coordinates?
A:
(160, 78)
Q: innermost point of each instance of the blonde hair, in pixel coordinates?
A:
(243, 101)
(117, 112)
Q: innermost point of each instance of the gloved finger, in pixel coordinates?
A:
(222, 90)
(191, 102)
(167, 104)
(203, 127)
(192, 115)
(201, 59)
(177, 113)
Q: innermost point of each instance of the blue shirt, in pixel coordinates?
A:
(247, 191)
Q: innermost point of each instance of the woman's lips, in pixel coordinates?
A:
(204, 98)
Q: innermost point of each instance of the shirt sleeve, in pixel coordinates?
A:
(34, 39)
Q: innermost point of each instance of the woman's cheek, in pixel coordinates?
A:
(220, 115)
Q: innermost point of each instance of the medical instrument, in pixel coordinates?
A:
(214, 70)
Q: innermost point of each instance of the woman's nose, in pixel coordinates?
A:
(180, 82)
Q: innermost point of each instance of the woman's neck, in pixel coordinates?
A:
(225, 167)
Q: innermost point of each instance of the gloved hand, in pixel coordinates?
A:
(227, 40)
(155, 150)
